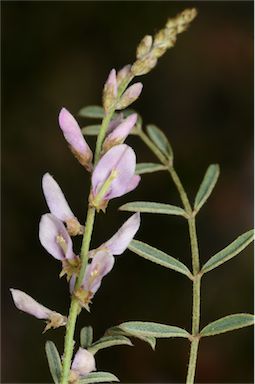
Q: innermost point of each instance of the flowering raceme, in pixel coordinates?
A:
(113, 176)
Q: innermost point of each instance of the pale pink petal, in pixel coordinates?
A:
(120, 241)
(83, 362)
(101, 264)
(120, 133)
(55, 238)
(55, 198)
(73, 135)
(121, 158)
(115, 122)
(133, 183)
(27, 304)
(130, 95)
(111, 82)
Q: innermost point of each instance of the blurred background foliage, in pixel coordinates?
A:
(58, 54)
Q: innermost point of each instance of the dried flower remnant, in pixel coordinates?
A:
(120, 132)
(57, 242)
(58, 205)
(75, 139)
(27, 304)
(83, 364)
(113, 176)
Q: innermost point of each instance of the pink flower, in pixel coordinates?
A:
(55, 238)
(75, 139)
(114, 175)
(58, 205)
(119, 133)
(27, 304)
(102, 260)
(83, 364)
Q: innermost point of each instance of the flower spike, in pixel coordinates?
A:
(75, 139)
(27, 304)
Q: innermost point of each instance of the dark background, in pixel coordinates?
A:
(58, 54)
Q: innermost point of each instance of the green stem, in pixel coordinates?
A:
(194, 253)
(75, 306)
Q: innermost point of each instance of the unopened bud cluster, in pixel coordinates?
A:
(149, 49)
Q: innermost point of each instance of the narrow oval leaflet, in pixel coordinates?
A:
(92, 111)
(117, 332)
(54, 361)
(142, 168)
(98, 377)
(91, 130)
(229, 252)
(158, 257)
(228, 323)
(160, 140)
(86, 336)
(207, 185)
(152, 207)
(109, 341)
(153, 329)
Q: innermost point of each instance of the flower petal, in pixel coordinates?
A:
(120, 241)
(101, 264)
(133, 183)
(74, 137)
(55, 238)
(55, 199)
(83, 362)
(120, 133)
(130, 95)
(121, 158)
(27, 304)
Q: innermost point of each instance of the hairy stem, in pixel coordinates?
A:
(194, 254)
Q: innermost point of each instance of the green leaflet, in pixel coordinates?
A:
(149, 168)
(228, 323)
(86, 336)
(109, 341)
(92, 111)
(151, 207)
(207, 185)
(91, 130)
(158, 257)
(54, 361)
(98, 377)
(117, 331)
(230, 251)
(153, 329)
(160, 140)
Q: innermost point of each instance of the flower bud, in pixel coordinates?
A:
(83, 363)
(119, 134)
(75, 139)
(143, 66)
(130, 95)
(110, 91)
(123, 74)
(144, 47)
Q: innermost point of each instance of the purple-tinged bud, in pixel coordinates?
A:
(119, 242)
(115, 122)
(143, 66)
(58, 205)
(123, 74)
(27, 304)
(55, 238)
(112, 175)
(130, 95)
(75, 139)
(119, 134)
(83, 364)
(110, 91)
